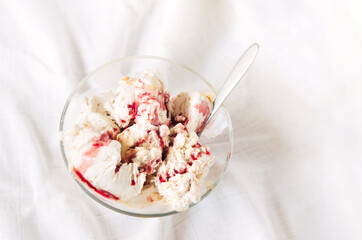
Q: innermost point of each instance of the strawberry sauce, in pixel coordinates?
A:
(203, 108)
(89, 155)
(196, 157)
(133, 109)
(102, 192)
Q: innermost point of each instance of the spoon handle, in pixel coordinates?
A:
(239, 70)
(236, 74)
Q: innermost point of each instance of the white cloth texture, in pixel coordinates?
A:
(296, 166)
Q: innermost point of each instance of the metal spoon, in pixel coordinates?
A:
(238, 72)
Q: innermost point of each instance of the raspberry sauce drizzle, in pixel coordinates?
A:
(102, 192)
(89, 155)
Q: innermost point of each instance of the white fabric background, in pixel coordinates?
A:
(295, 172)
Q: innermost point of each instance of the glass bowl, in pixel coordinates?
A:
(218, 134)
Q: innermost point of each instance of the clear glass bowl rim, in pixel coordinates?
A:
(172, 62)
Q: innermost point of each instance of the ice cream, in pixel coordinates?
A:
(178, 177)
(134, 136)
(191, 109)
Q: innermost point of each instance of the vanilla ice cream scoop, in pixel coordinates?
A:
(192, 109)
(180, 176)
